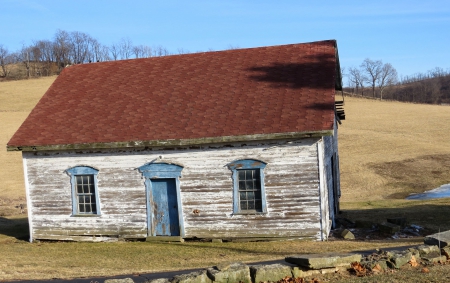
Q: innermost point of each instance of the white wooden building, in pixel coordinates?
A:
(229, 144)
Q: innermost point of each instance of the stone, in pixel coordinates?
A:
(272, 272)
(400, 221)
(124, 280)
(328, 270)
(436, 259)
(347, 234)
(414, 252)
(400, 259)
(298, 271)
(426, 251)
(382, 264)
(319, 261)
(370, 264)
(388, 228)
(193, 277)
(441, 239)
(159, 280)
(230, 273)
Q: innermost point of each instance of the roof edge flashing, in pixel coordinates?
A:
(172, 142)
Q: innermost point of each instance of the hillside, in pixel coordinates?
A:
(391, 149)
(17, 99)
(387, 149)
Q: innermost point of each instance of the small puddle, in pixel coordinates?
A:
(441, 192)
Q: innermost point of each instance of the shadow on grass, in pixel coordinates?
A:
(433, 215)
(15, 227)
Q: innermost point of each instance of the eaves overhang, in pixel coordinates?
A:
(172, 142)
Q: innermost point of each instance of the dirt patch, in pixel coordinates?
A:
(414, 175)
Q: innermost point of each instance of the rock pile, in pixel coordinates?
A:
(299, 266)
(363, 229)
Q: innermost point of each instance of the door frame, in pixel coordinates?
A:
(161, 171)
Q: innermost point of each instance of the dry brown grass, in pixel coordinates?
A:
(387, 149)
(22, 260)
(390, 149)
(17, 98)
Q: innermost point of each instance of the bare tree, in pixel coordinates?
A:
(46, 55)
(182, 51)
(24, 56)
(115, 51)
(100, 52)
(126, 48)
(146, 51)
(387, 77)
(62, 46)
(4, 60)
(138, 51)
(356, 77)
(160, 51)
(373, 71)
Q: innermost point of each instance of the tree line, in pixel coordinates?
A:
(373, 78)
(49, 57)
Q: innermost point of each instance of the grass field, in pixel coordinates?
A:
(387, 151)
(17, 98)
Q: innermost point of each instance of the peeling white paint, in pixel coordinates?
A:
(292, 191)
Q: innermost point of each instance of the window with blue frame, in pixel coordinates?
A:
(84, 190)
(248, 186)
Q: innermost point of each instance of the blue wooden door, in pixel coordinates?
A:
(165, 207)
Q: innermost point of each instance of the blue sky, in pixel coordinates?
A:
(414, 36)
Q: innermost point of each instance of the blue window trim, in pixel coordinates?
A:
(83, 170)
(247, 164)
(160, 171)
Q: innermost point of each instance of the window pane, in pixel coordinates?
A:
(258, 205)
(249, 187)
(87, 199)
(94, 208)
(91, 179)
(79, 188)
(81, 207)
(85, 179)
(88, 208)
(80, 199)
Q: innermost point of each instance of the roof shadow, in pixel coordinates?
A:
(315, 73)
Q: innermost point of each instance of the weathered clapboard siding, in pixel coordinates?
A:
(332, 182)
(291, 186)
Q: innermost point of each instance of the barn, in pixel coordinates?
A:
(233, 144)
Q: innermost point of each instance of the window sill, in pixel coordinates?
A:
(250, 213)
(85, 215)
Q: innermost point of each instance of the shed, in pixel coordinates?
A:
(217, 145)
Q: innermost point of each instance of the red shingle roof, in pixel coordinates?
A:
(266, 90)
